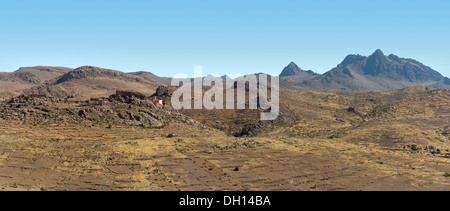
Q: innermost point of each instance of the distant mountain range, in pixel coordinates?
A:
(376, 72)
(92, 82)
(27, 77)
(152, 77)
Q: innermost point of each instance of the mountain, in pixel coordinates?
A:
(294, 73)
(377, 72)
(92, 82)
(152, 77)
(27, 77)
(45, 73)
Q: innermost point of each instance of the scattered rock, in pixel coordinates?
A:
(124, 108)
(351, 110)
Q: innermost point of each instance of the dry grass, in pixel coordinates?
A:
(328, 148)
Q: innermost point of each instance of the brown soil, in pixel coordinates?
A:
(364, 141)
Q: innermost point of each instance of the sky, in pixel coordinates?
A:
(169, 37)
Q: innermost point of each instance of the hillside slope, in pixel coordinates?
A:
(152, 77)
(27, 77)
(93, 82)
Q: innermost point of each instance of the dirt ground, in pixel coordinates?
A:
(73, 158)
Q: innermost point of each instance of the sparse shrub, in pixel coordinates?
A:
(236, 169)
(170, 135)
(446, 175)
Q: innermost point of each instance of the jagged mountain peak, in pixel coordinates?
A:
(376, 57)
(352, 58)
(394, 67)
(293, 73)
(291, 70)
(378, 53)
(377, 72)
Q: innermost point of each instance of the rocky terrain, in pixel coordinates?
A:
(27, 77)
(120, 109)
(92, 82)
(235, 122)
(78, 131)
(395, 140)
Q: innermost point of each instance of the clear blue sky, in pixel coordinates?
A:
(236, 37)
